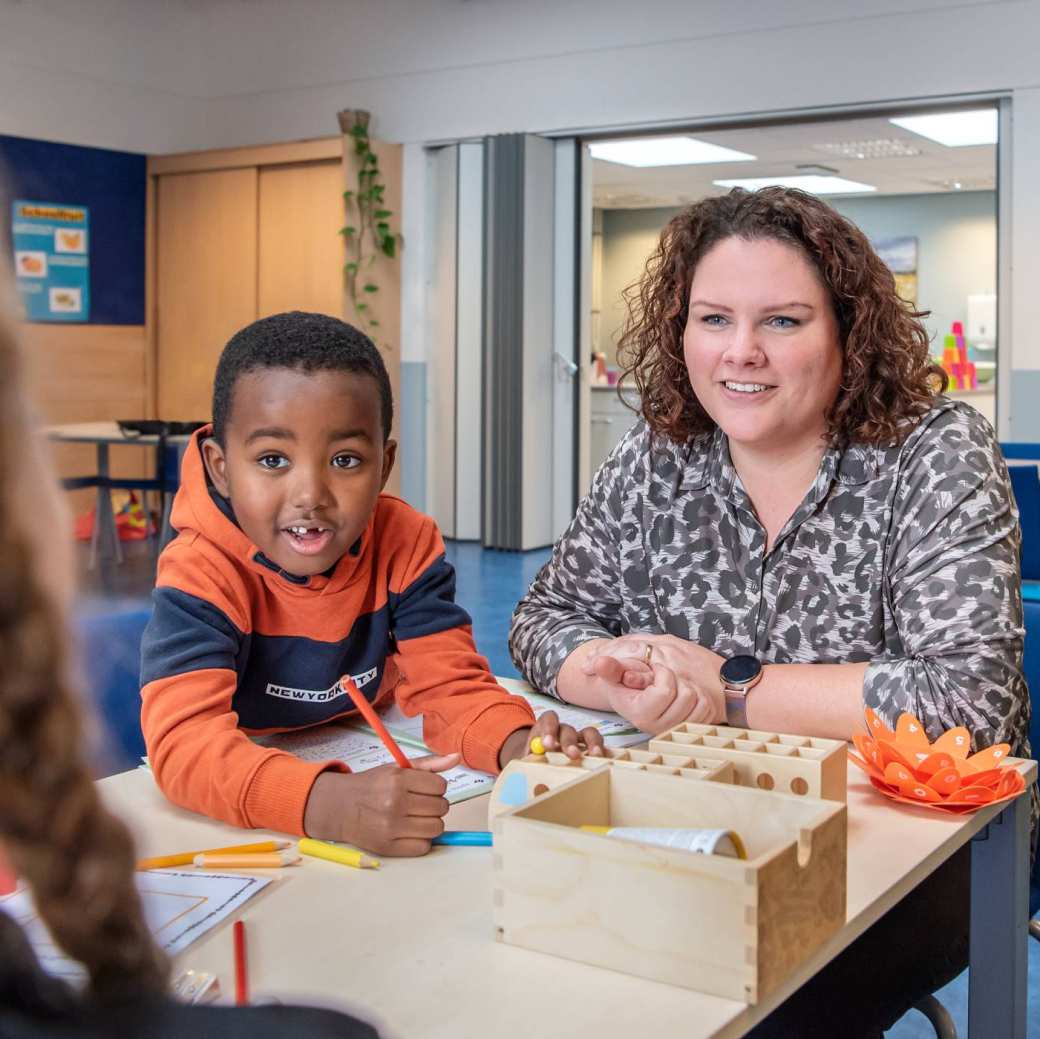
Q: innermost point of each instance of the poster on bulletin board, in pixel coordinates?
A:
(52, 260)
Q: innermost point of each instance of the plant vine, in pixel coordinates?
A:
(367, 232)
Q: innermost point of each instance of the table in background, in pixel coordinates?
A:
(412, 944)
(104, 542)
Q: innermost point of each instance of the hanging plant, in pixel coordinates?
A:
(367, 231)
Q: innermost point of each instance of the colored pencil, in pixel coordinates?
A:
(241, 966)
(336, 853)
(263, 860)
(368, 712)
(186, 858)
(465, 838)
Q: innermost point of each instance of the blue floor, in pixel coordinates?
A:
(114, 606)
(489, 584)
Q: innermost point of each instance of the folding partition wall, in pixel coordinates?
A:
(502, 306)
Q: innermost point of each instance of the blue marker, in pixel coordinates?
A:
(465, 838)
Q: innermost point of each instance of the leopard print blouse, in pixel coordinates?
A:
(904, 556)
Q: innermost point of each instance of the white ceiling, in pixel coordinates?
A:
(779, 150)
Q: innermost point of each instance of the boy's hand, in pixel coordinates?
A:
(389, 810)
(554, 736)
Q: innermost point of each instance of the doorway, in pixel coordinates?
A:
(921, 181)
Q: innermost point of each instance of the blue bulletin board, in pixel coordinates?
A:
(52, 259)
(111, 187)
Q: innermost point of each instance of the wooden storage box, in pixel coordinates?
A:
(800, 765)
(720, 925)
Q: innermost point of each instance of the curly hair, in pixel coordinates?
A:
(888, 377)
(77, 858)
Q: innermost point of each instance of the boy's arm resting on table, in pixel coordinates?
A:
(443, 677)
(955, 591)
(201, 760)
(575, 598)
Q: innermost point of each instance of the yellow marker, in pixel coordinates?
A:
(336, 853)
(537, 747)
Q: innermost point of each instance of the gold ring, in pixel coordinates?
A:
(647, 652)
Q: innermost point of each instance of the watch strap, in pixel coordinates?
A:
(736, 708)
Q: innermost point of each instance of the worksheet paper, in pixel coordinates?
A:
(354, 743)
(616, 731)
(361, 749)
(179, 905)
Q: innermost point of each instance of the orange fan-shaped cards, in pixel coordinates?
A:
(945, 774)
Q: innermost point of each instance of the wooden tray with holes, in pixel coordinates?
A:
(799, 765)
(734, 928)
(533, 775)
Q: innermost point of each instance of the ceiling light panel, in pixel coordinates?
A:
(954, 129)
(664, 151)
(814, 185)
(878, 148)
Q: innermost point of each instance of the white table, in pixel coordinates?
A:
(411, 945)
(104, 542)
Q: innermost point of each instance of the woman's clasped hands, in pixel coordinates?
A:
(658, 681)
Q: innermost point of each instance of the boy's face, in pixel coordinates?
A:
(303, 464)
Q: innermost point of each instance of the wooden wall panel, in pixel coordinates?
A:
(206, 274)
(88, 373)
(301, 251)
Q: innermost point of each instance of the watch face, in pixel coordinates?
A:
(740, 670)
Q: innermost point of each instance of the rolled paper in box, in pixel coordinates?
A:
(701, 842)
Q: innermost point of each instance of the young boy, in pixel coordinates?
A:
(290, 570)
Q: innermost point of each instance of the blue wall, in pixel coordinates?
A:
(112, 184)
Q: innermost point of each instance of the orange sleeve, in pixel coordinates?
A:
(443, 677)
(201, 760)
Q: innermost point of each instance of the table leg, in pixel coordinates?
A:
(105, 542)
(999, 919)
(166, 531)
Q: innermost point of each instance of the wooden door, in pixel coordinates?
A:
(301, 252)
(206, 272)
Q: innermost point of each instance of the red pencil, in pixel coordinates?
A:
(368, 713)
(241, 967)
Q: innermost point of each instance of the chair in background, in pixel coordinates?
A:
(108, 652)
(1024, 468)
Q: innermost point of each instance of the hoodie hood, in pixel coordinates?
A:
(199, 510)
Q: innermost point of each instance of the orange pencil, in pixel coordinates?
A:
(367, 712)
(186, 858)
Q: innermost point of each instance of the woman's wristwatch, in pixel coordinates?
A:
(739, 675)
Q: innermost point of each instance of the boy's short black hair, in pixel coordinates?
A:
(304, 342)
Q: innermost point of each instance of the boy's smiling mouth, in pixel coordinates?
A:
(308, 539)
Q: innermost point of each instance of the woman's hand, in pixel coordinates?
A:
(657, 677)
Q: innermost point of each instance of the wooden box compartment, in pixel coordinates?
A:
(533, 775)
(800, 765)
(724, 926)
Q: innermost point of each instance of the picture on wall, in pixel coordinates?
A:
(52, 260)
(900, 256)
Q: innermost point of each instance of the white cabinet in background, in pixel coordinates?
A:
(610, 419)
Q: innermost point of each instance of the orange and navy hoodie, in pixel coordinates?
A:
(237, 647)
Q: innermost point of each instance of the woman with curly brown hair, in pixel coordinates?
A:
(800, 525)
(76, 858)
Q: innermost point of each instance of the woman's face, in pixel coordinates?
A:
(761, 345)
